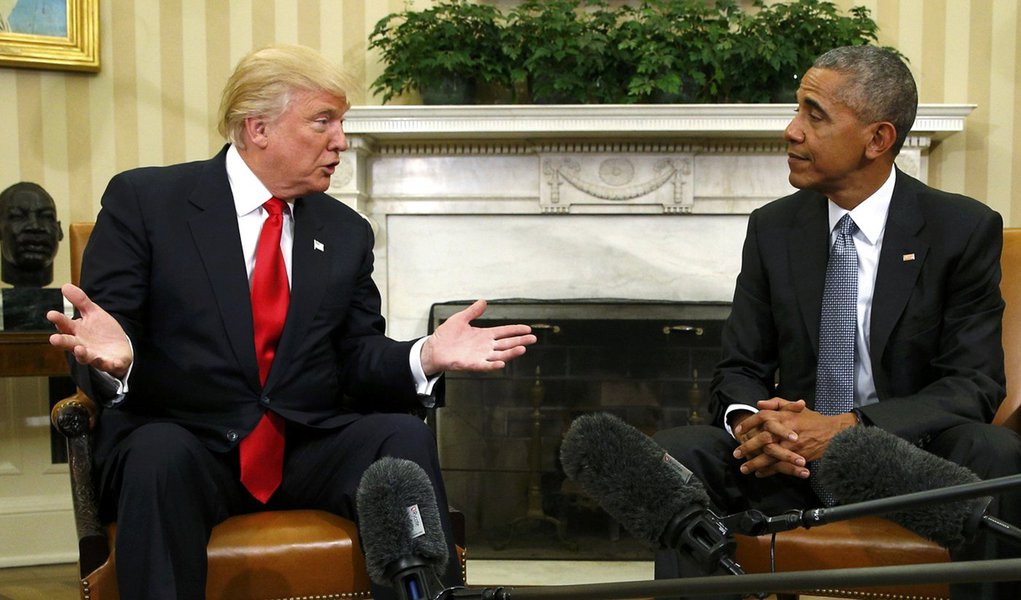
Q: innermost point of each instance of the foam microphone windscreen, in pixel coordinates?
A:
(629, 475)
(868, 463)
(391, 529)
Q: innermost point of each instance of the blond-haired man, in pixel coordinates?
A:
(169, 338)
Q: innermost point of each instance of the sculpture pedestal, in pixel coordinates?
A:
(24, 309)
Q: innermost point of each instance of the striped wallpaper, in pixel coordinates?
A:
(163, 63)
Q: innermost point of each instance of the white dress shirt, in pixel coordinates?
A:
(870, 217)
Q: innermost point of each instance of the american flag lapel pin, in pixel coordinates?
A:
(910, 256)
(317, 245)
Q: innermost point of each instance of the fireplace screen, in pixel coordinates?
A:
(499, 434)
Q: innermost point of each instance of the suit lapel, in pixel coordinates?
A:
(215, 232)
(900, 263)
(309, 278)
(808, 248)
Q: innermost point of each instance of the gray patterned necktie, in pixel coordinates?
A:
(834, 388)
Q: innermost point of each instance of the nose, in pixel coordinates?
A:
(338, 140)
(793, 133)
(33, 220)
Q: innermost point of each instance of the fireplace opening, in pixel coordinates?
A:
(648, 362)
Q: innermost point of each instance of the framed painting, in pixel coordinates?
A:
(50, 34)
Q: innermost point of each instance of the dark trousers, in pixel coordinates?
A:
(167, 491)
(988, 450)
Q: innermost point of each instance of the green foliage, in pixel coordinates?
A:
(678, 48)
(454, 38)
(782, 40)
(585, 51)
(564, 50)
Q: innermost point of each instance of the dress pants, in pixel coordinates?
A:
(988, 450)
(167, 490)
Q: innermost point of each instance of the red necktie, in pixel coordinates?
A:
(262, 451)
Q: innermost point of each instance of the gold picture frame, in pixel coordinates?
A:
(78, 51)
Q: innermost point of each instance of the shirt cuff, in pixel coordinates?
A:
(423, 385)
(112, 389)
(734, 408)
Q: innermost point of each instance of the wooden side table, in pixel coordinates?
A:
(29, 354)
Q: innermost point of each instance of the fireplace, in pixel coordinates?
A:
(646, 205)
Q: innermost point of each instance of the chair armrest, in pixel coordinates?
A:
(74, 417)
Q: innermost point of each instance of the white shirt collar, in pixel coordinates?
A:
(870, 215)
(249, 193)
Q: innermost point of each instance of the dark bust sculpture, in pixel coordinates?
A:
(29, 234)
(29, 237)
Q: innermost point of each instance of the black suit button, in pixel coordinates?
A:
(232, 436)
(265, 400)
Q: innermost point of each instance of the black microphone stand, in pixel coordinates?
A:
(1007, 569)
(702, 535)
(754, 522)
(413, 578)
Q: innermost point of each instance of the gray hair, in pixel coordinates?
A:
(262, 83)
(879, 86)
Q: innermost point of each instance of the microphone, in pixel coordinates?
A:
(646, 490)
(400, 530)
(869, 463)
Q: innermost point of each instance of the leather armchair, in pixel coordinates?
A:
(297, 554)
(874, 541)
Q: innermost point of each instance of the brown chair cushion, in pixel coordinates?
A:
(285, 553)
(861, 542)
(270, 555)
(274, 555)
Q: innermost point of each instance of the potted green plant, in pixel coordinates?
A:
(677, 49)
(564, 51)
(586, 52)
(442, 51)
(780, 42)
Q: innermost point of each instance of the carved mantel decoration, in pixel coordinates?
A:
(634, 179)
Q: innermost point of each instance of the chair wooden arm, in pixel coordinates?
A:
(74, 417)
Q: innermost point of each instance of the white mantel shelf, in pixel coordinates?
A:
(416, 122)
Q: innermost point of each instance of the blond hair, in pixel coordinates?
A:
(262, 83)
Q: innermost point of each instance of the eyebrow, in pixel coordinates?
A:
(811, 102)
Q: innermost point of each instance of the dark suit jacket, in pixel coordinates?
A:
(935, 346)
(165, 259)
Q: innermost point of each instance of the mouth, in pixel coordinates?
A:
(43, 247)
(330, 168)
(793, 158)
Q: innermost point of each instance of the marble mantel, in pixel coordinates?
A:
(640, 201)
(414, 122)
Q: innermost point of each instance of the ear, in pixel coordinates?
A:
(256, 131)
(882, 136)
